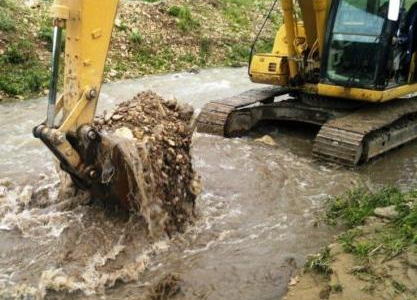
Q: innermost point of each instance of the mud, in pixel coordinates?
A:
(162, 183)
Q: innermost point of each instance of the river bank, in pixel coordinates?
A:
(375, 259)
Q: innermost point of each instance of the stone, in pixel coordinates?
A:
(117, 22)
(3, 191)
(388, 212)
(412, 259)
(186, 112)
(172, 103)
(124, 132)
(294, 281)
(108, 116)
(267, 140)
(117, 117)
(164, 157)
(113, 73)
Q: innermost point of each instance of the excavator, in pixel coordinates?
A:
(348, 66)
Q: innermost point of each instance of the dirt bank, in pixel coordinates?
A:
(149, 37)
(376, 258)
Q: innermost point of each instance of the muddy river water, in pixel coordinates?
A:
(257, 217)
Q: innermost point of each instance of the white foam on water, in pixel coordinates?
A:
(92, 279)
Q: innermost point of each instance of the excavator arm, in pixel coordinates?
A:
(76, 144)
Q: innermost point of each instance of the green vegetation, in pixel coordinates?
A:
(148, 39)
(6, 23)
(45, 33)
(21, 71)
(337, 288)
(354, 207)
(375, 258)
(185, 20)
(136, 38)
(320, 263)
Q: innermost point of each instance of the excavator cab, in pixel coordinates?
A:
(366, 44)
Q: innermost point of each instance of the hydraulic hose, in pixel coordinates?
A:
(53, 85)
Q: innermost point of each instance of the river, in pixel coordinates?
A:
(257, 219)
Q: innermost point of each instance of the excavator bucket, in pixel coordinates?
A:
(122, 172)
(136, 156)
(143, 160)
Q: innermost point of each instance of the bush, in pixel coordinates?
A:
(19, 53)
(174, 11)
(6, 23)
(136, 38)
(45, 33)
(31, 80)
(185, 21)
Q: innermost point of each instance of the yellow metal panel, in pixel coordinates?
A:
(288, 10)
(309, 20)
(320, 8)
(365, 94)
(60, 12)
(88, 34)
(280, 42)
(269, 69)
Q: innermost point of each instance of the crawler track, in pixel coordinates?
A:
(348, 136)
(214, 115)
(367, 133)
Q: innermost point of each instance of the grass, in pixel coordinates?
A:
(21, 72)
(7, 23)
(184, 18)
(320, 263)
(136, 38)
(28, 81)
(352, 208)
(232, 10)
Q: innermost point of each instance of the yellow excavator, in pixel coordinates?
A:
(343, 67)
(348, 66)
